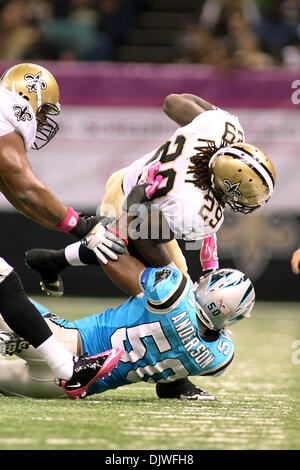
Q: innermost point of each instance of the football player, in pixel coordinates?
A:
(204, 165)
(29, 102)
(169, 329)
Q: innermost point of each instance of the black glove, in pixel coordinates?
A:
(86, 223)
(136, 197)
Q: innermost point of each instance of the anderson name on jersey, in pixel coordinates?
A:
(16, 114)
(192, 214)
(158, 332)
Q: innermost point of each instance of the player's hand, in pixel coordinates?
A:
(106, 245)
(295, 260)
(150, 179)
(86, 223)
(146, 187)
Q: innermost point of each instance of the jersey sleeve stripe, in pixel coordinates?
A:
(220, 368)
(171, 301)
(169, 295)
(143, 278)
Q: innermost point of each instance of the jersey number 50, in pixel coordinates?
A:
(140, 339)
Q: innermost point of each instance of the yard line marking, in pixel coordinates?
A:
(17, 440)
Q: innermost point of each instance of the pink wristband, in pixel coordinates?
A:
(69, 222)
(117, 233)
(208, 253)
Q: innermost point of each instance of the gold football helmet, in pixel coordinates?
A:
(38, 86)
(242, 176)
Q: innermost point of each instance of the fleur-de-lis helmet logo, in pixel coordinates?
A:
(22, 113)
(35, 81)
(232, 189)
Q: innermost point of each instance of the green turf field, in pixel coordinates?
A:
(258, 403)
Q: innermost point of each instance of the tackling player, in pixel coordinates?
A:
(204, 165)
(169, 328)
(29, 100)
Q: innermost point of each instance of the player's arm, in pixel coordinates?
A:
(29, 195)
(295, 260)
(20, 206)
(185, 107)
(130, 274)
(126, 270)
(125, 273)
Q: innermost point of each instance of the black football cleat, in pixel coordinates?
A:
(197, 394)
(88, 369)
(183, 389)
(41, 260)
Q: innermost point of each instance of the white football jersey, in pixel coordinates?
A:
(192, 213)
(16, 114)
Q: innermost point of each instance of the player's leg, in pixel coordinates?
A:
(25, 320)
(68, 337)
(50, 263)
(177, 256)
(27, 379)
(113, 199)
(30, 376)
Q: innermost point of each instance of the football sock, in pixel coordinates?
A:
(19, 312)
(79, 255)
(57, 357)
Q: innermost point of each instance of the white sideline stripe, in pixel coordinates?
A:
(255, 163)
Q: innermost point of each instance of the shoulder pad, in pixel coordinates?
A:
(168, 288)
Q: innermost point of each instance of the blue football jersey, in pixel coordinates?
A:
(158, 332)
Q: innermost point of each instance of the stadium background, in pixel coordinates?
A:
(115, 61)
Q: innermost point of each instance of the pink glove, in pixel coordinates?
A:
(149, 178)
(208, 253)
(144, 190)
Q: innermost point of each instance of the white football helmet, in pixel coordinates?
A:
(38, 87)
(224, 297)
